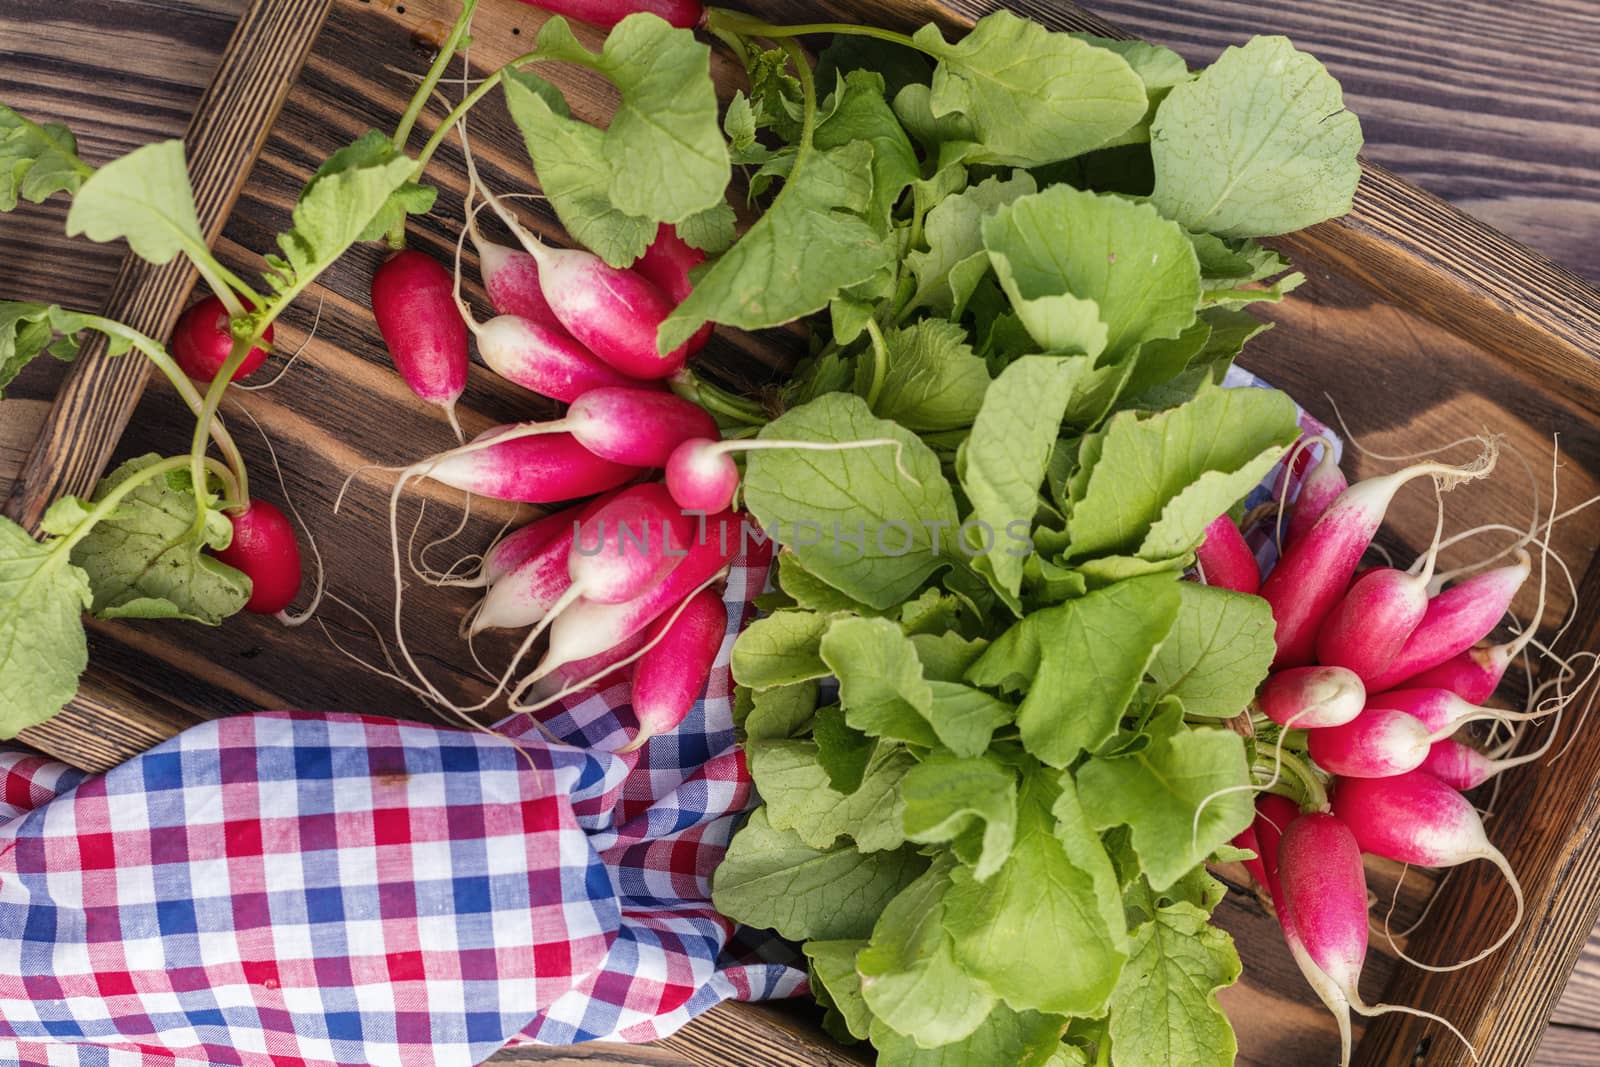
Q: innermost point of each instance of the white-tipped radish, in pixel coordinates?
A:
(1226, 560)
(1312, 697)
(1321, 486)
(1456, 619)
(666, 265)
(543, 359)
(509, 464)
(413, 300)
(1369, 625)
(670, 677)
(1378, 743)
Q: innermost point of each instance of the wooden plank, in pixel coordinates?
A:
(228, 129)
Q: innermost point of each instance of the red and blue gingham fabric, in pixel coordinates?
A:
(296, 889)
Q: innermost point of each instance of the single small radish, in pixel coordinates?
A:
(543, 359)
(670, 677)
(589, 628)
(1440, 710)
(521, 544)
(265, 550)
(203, 339)
(1273, 815)
(525, 595)
(1322, 485)
(666, 265)
(1458, 765)
(1225, 560)
(1371, 622)
(702, 476)
(511, 278)
(1473, 675)
(685, 14)
(1312, 697)
(413, 299)
(1456, 619)
(1315, 571)
(532, 470)
(1415, 818)
(596, 672)
(1378, 743)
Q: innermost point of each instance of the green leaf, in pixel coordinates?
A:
(143, 197)
(779, 712)
(1159, 481)
(948, 137)
(663, 150)
(1217, 653)
(1092, 655)
(1015, 1039)
(1137, 269)
(800, 798)
(842, 751)
(1007, 454)
(955, 258)
(1032, 96)
(965, 718)
(896, 64)
(145, 562)
(42, 646)
(569, 157)
(780, 650)
(881, 686)
(361, 184)
(712, 230)
(1159, 68)
(946, 796)
(811, 243)
(909, 974)
(771, 879)
(1165, 1009)
(833, 966)
(1046, 932)
(932, 382)
(860, 113)
(811, 592)
(37, 160)
(1156, 792)
(853, 489)
(1259, 143)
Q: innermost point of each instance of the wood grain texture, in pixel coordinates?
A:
(1408, 381)
(229, 126)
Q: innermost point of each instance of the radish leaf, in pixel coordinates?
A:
(800, 798)
(931, 381)
(1016, 1039)
(1216, 654)
(949, 269)
(145, 198)
(1165, 1009)
(37, 160)
(946, 797)
(833, 969)
(42, 644)
(780, 650)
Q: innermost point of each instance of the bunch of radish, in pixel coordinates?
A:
(1375, 671)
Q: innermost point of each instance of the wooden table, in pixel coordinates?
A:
(1468, 99)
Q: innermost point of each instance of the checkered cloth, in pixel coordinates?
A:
(296, 889)
(316, 890)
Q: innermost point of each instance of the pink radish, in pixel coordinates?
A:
(517, 547)
(203, 339)
(1312, 697)
(1368, 627)
(589, 628)
(1315, 571)
(1456, 620)
(612, 311)
(685, 14)
(511, 278)
(525, 595)
(1416, 818)
(265, 550)
(1225, 560)
(413, 299)
(543, 359)
(1273, 814)
(507, 466)
(666, 265)
(1458, 765)
(1472, 675)
(1322, 485)
(596, 672)
(670, 677)
(1378, 743)
(1440, 710)
(702, 476)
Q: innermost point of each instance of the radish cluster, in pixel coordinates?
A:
(1375, 673)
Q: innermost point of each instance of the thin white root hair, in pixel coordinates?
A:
(1368, 1011)
(321, 585)
(276, 378)
(1264, 787)
(1401, 457)
(1497, 858)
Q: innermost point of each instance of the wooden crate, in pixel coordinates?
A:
(1424, 323)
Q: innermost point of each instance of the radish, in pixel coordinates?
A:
(1324, 917)
(508, 465)
(265, 550)
(1416, 818)
(1273, 814)
(1312, 697)
(596, 672)
(1369, 626)
(1440, 710)
(666, 265)
(517, 547)
(1225, 560)
(1456, 619)
(527, 593)
(203, 339)
(510, 277)
(543, 359)
(1315, 571)
(1460, 766)
(1321, 486)
(613, 312)
(413, 299)
(1472, 675)
(702, 476)
(685, 14)
(1378, 743)
(670, 677)
(589, 628)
